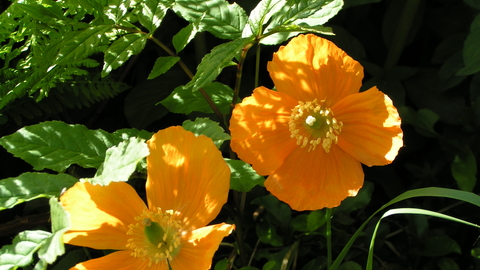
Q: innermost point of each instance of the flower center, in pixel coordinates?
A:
(312, 124)
(155, 236)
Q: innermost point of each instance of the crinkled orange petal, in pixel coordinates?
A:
(371, 127)
(186, 174)
(100, 215)
(199, 246)
(259, 129)
(310, 67)
(316, 179)
(120, 260)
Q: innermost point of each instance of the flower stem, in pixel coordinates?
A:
(257, 65)
(328, 215)
(238, 82)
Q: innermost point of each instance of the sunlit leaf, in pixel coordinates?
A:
(185, 101)
(20, 252)
(56, 145)
(29, 186)
(209, 128)
(120, 51)
(243, 177)
(260, 15)
(220, 18)
(152, 12)
(53, 246)
(120, 162)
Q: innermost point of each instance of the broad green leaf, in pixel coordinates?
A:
(29, 186)
(56, 145)
(20, 252)
(185, 101)
(120, 162)
(316, 219)
(471, 53)
(209, 128)
(82, 44)
(53, 246)
(162, 65)
(260, 15)
(120, 51)
(421, 192)
(464, 170)
(222, 265)
(243, 177)
(269, 265)
(220, 18)
(152, 12)
(41, 13)
(214, 62)
(309, 12)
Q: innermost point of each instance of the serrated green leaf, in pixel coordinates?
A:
(120, 162)
(152, 12)
(41, 13)
(162, 65)
(184, 101)
(81, 44)
(53, 246)
(464, 170)
(20, 252)
(220, 18)
(243, 177)
(29, 186)
(260, 15)
(215, 61)
(207, 127)
(120, 51)
(308, 14)
(56, 145)
(471, 53)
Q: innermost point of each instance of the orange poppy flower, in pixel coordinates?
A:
(187, 185)
(312, 134)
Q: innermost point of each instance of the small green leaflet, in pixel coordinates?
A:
(243, 177)
(162, 65)
(209, 128)
(151, 13)
(260, 15)
(184, 36)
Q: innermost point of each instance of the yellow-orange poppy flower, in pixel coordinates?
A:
(312, 134)
(187, 185)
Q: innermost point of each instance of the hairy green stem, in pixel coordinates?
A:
(401, 34)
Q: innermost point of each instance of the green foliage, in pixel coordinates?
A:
(20, 252)
(209, 128)
(243, 177)
(29, 186)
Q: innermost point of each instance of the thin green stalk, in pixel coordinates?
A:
(238, 82)
(401, 34)
(328, 214)
(257, 65)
